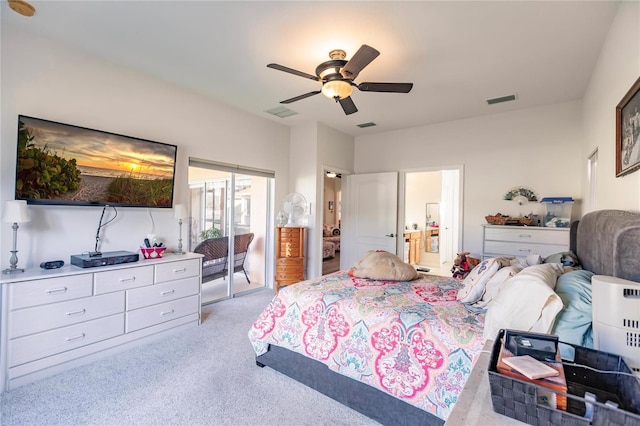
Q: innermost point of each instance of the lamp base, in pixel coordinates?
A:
(179, 252)
(12, 271)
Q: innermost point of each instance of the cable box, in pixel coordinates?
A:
(106, 258)
(536, 345)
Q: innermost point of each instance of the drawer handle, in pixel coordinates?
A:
(57, 290)
(527, 250)
(167, 312)
(80, 312)
(127, 280)
(78, 337)
(179, 271)
(524, 235)
(166, 293)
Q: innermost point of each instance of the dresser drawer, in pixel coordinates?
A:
(163, 312)
(290, 250)
(123, 279)
(291, 233)
(521, 249)
(177, 270)
(41, 345)
(286, 280)
(528, 235)
(40, 318)
(158, 293)
(290, 269)
(50, 290)
(289, 261)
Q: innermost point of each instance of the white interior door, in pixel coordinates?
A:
(369, 215)
(449, 215)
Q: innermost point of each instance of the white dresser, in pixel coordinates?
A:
(53, 320)
(521, 241)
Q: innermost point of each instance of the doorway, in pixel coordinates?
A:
(432, 218)
(229, 209)
(331, 221)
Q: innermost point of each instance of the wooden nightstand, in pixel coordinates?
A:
(289, 256)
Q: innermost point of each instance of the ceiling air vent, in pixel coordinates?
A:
(501, 99)
(281, 112)
(369, 124)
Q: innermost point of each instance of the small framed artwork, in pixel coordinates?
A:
(330, 205)
(628, 132)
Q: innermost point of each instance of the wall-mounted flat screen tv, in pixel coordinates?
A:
(62, 164)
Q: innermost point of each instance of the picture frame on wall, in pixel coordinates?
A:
(628, 132)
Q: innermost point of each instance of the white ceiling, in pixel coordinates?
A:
(457, 53)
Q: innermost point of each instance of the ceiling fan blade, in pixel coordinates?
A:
(297, 98)
(359, 60)
(292, 71)
(347, 105)
(385, 87)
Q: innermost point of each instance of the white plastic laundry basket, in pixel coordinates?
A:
(616, 318)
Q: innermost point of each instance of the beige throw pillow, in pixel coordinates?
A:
(382, 265)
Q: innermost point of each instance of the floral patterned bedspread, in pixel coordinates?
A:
(412, 340)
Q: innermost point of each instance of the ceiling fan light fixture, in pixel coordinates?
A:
(337, 89)
(22, 7)
(331, 174)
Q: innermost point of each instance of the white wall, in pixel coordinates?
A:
(335, 152)
(617, 69)
(44, 79)
(538, 148)
(421, 188)
(313, 146)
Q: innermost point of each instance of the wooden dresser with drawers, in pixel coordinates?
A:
(289, 256)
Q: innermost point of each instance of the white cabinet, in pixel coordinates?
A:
(53, 320)
(521, 241)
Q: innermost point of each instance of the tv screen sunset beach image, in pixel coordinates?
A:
(65, 164)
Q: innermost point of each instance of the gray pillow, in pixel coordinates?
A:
(567, 258)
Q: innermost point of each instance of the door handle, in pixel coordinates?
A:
(390, 235)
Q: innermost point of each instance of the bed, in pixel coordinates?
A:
(401, 351)
(419, 323)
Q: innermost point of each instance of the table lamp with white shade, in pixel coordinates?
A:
(15, 212)
(179, 212)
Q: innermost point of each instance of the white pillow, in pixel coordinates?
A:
(526, 301)
(495, 283)
(475, 282)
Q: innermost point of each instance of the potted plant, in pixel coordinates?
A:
(211, 233)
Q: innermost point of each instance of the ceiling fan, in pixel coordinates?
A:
(337, 77)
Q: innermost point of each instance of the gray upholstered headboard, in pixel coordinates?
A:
(607, 242)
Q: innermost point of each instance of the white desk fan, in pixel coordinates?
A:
(294, 207)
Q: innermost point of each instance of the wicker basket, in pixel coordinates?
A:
(507, 220)
(525, 221)
(519, 400)
(497, 220)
